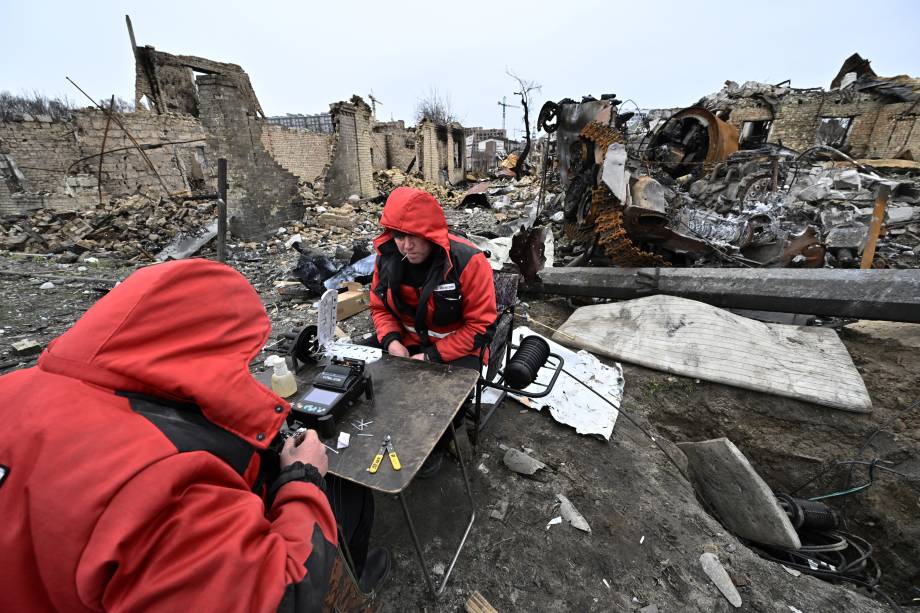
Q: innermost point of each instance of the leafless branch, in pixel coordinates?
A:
(435, 107)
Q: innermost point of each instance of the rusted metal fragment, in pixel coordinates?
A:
(622, 251)
(528, 251)
(691, 141)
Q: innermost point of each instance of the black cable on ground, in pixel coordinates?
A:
(822, 555)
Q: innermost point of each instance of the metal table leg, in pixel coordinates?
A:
(415, 541)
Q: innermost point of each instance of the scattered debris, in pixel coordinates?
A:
(186, 245)
(47, 285)
(716, 572)
(522, 463)
(554, 522)
(26, 347)
(500, 510)
(571, 514)
(477, 603)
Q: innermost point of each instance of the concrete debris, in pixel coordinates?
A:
(133, 228)
(46, 285)
(741, 499)
(570, 514)
(892, 295)
(26, 347)
(522, 463)
(716, 573)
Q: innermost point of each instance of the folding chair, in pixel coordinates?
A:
(497, 340)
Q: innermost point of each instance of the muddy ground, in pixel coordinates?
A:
(648, 529)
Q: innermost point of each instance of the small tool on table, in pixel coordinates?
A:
(386, 447)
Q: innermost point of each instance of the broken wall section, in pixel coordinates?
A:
(868, 126)
(168, 81)
(398, 144)
(351, 170)
(304, 153)
(55, 165)
(262, 194)
(441, 151)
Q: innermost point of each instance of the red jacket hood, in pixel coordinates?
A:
(183, 330)
(413, 211)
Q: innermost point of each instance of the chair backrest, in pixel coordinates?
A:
(506, 286)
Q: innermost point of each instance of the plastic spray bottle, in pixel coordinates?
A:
(283, 382)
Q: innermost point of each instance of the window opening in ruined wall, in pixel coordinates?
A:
(754, 134)
(833, 131)
(457, 158)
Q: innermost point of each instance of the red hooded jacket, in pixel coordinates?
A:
(459, 299)
(102, 511)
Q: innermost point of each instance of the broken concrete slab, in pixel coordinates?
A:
(26, 347)
(743, 502)
(696, 340)
(716, 572)
(521, 463)
(570, 514)
(186, 245)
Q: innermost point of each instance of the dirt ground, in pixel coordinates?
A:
(647, 527)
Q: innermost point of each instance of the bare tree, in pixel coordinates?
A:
(525, 88)
(121, 105)
(435, 107)
(36, 103)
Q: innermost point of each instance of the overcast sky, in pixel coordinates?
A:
(303, 55)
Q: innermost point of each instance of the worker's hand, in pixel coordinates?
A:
(420, 356)
(310, 451)
(398, 349)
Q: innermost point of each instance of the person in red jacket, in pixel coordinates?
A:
(135, 461)
(432, 293)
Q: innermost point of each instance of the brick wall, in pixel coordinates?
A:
(455, 172)
(799, 115)
(262, 194)
(878, 129)
(896, 131)
(399, 144)
(350, 169)
(45, 154)
(429, 159)
(304, 153)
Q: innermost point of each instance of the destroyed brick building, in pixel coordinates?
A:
(862, 114)
(190, 111)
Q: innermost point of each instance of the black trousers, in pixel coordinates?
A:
(353, 507)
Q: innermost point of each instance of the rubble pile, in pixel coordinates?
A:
(136, 227)
(388, 180)
(686, 196)
(814, 205)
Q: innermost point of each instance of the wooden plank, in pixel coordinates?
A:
(478, 604)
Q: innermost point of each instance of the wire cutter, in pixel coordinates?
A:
(386, 447)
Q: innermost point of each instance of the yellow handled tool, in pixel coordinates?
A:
(386, 447)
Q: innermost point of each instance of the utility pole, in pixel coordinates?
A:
(374, 102)
(505, 106)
